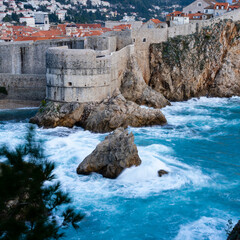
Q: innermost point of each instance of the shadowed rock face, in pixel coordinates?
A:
(235, 234)
(102, 117)
(112, 156)
(204, 63)
(134, 88)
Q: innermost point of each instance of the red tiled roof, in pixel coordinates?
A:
(94, 25)
(233, 7)
(175, 13)
(123, 26)
(156, 21)
(220, 5)
(194, 15)
(30, 38)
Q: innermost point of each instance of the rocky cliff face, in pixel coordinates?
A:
(204, 63)
(134, 88)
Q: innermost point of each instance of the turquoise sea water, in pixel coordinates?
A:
(200, 147)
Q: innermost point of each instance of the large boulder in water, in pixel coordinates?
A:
(235, 234)
(112, 156)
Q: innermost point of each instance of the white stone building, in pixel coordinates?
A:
(30, 21)
(42, 20)
(198, 6)
(220, 9)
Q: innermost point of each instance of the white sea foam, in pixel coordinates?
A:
(204, 228)
(68, 147)
(67, 152)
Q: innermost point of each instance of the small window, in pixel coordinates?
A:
(144, 40)
(134, 40)
(199, 4)
(69, 84)
(190, 12)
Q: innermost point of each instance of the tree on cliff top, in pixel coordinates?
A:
(30, 197)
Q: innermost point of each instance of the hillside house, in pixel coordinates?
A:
(198, 6)
(220, 8)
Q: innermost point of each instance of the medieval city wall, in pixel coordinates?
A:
(30, 57)
(23, 64)
(84, 75)
(30, 87)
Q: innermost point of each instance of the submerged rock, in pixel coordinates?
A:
(162, 172)
(106, 116)
(112, 156)
(235, 233)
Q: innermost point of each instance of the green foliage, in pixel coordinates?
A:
(14, 17)
(7, 18)
(63, 2)
(28, 206)
(28, 6)
(229, 227)
(53, 18)
(43, 105)
(42, 8)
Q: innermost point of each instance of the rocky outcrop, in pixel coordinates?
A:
(162, 172)
(118, 112)
(204, 63)
(55, 114)
(116, 153)
(106, 116)
(134, 88)
(235, 233)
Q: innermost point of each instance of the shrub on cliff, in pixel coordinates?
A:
(30, 198)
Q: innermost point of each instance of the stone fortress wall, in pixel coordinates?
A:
(88, 75)
(87, 69)
(84, 75)
(23, 64)
(23, 67)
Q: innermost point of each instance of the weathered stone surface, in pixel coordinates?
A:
(112, 156)
(235, 234)
(227, 81)
(118, 112)
(204, 63)
(134, 88)
(58, 114)
(98, 117)
(162, 172)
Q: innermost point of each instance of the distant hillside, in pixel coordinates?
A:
(149, 8)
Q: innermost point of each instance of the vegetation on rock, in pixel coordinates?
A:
(189, 66)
